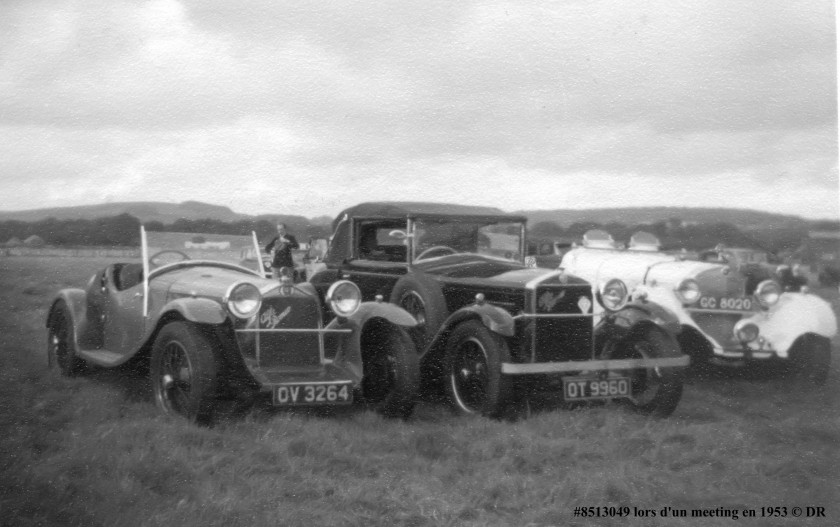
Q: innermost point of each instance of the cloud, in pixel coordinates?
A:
(165, 96)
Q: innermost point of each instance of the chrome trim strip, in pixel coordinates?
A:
(294, 330)
(144, 254)
(720, 311)
(593, 365)
(305, 383)
(553, 315)
(367, 273)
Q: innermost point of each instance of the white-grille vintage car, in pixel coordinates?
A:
(725, 313)
(210, 328)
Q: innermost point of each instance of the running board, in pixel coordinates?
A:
(593, 365)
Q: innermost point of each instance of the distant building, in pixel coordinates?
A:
(14, 241)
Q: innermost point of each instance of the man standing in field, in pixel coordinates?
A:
(281, 250)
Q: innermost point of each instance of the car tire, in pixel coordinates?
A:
(61, 342)
(424, 300)
(184, 372)
(391, 377)
(473, 371)
(654, 391)
(810, 359)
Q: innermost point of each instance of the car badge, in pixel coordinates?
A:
(584, 304)
(548, 301)
(269, 318)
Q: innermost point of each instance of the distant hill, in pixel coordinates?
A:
(168, 213)
(145, 211)
(742, 218)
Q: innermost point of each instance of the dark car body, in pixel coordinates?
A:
(485, 319)
(210, 329)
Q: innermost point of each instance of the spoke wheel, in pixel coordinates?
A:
(61, 342)
(473, 369)
(184, 372)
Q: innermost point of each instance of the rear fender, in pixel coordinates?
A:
(199, 310)
(88, 332)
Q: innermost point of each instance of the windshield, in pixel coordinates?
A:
(434, 238)
(164, 248)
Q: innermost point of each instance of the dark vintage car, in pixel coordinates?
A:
(210, 329)
(490, 329)
(732, 311)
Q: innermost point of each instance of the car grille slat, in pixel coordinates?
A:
(278, 348)
(566, 338)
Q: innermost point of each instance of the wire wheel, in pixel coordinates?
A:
(184, 372)
(469, 375)
(645, 383)
(60, 345)
(175, 379)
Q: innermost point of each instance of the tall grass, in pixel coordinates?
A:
(95, 451)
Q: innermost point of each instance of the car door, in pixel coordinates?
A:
(123, 317)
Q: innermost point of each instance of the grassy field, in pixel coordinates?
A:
(95, 451)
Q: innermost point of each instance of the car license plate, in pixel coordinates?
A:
(730, 303)
(586, 388)
(312, 394)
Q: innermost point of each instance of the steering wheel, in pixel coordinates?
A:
(425, 253)
(154, 257)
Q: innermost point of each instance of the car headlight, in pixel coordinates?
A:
(745, 331)
(613, 294)
(767, 293)
(244, 300)
(688, 291)
(344, 298)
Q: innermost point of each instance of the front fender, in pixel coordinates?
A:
(199, 310)
(794, 315)
(495, 318)
(639, 311)
(390, 312)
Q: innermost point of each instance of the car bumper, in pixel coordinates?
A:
(509, 368)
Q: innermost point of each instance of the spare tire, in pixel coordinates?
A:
(423, 299)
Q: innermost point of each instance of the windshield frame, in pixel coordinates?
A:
(481, 221)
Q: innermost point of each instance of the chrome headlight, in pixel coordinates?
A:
(244, 300)
(767, 293)
(613, 295)
(344, 298)
(688, 291)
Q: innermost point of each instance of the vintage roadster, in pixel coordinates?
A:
(210, 329)
(728, 312)
(490, 329)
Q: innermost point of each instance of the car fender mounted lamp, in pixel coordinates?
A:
(480, 299)
(344, 298)
(746, 331)
(612, 295)
(768, 293)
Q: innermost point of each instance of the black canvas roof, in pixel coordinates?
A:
(403, 209)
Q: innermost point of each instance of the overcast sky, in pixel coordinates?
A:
(308, 107)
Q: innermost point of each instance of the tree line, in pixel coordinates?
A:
(124, 230)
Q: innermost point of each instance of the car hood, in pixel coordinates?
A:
(636, 267)
(475, 268)
(207, 281)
